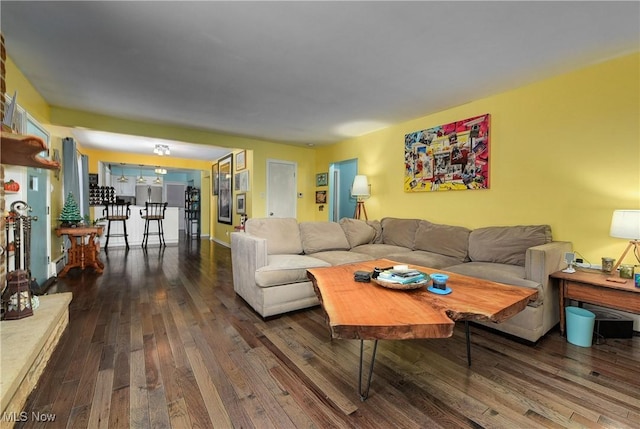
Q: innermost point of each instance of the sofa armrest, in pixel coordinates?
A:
(540, 262)
(248, 253)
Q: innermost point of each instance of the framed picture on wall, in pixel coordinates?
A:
(321, 197)
(241, 181)
(241, 200)
(225, 190)
(241, 160)
(214, 179)
(322, 179)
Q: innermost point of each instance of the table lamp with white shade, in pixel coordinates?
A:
(361, 191)
(626, 224)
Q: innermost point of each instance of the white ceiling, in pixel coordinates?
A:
(300, 72)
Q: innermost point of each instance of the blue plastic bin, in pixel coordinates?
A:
(580, 326)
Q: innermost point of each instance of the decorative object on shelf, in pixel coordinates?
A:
(241, 200)
(241, 160)
(16, 298)
(214, 179)
(161, 150)
(70, 215)
(321, 197)
(448, 157)
(322, 179)
(607, 264)
(626, 224)
(11, 110)
(242, 181)
(225, 189)
(18, 149)
(11, 186)
(361, 190)
(626, 271)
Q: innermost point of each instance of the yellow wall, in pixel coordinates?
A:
(564, 151)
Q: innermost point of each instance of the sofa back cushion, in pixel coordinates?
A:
(357, 231)
(445, 240)
(399, 232)
(506, 244)
(282, 234)
(322, 236)
(377, 226)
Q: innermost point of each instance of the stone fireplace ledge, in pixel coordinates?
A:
(26, 346)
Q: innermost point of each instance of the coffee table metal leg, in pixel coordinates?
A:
(364, 394)
(468, 334)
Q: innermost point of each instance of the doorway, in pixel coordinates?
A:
(281, 189)
(341, 203)
(39, 199)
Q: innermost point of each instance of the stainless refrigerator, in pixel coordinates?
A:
(148, 193)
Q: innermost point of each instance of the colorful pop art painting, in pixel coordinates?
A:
(448, 157)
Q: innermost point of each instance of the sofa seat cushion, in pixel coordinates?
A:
(399, 232)
(282, 234)
(285, 269)
(322, 236)
(378, 251)
(445, 240)
(341, 257)
(424, 259)
(506, 244)
(501, 273)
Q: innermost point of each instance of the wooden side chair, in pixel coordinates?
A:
(116, 212)
(153, 212)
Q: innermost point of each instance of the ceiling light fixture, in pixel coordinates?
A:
(141, 179)
(159, 170)
(162, 149)
(122, 179)
(157, 180)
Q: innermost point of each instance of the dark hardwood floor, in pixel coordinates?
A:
(160, 340)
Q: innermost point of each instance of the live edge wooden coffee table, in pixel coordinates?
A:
(367, 311)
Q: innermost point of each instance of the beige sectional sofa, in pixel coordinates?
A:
(270, 260)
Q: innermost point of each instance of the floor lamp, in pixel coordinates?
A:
(361, 191)
(626, 224)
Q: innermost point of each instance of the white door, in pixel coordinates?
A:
(281, 188)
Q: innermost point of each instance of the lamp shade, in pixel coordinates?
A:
(360, 186)
(625, 224)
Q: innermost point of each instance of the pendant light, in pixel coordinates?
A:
(122, 179)
(141, 179)
(157, 180)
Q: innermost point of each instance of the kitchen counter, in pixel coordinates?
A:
(135, 228)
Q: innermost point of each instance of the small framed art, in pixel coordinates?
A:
(321, 197)
(241, 160)
(241, 201)
(322, 179)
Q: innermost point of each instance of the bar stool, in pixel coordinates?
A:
(116, 212)
(153, 212)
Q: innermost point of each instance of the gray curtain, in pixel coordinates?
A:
(76, 179)
(70, 171)
(85, 185)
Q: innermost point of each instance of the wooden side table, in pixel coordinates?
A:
(592, 287)
(84, 249)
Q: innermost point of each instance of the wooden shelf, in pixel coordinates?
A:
(18, 149)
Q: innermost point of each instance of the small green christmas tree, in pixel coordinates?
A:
(70, 212)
